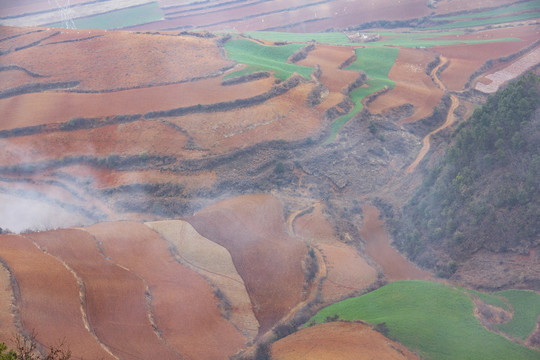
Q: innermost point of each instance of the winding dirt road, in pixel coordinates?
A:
(450, 118)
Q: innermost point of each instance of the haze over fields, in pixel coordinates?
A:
(271, 179)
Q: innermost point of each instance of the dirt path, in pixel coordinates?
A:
(378, 247)
(450, 118)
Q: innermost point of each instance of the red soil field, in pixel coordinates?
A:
(465, 59)
(252, 228)
(183, 305)
(284, 117)
(10, 8)
(52, 107)
(151, 137)
(215, 264)
(48, 297)
(329, 58)
(394, 265)
(119, 59)
(445, 6)
(339, 341)
(347, 271)
(343, 13)
(115, 297)
(7, 318)
(413, 86)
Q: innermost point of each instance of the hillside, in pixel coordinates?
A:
(195, 184)
(483, 195)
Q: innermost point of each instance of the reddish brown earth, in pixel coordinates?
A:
(48, 297)
(339, 340)
(115, 299)
(52, 107)
(463, 61)
(346, 270)
(213, 262)
(184, 308)
(7, 316)
(329, 58)
(378, 247)
(251, 227)
(413, 86)
(116, 59)
(276, 119)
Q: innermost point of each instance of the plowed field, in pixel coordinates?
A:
(114, 60)
(251, 227)
(339, 340)
(48, 297)
(183, 306)
(115, 299)
(413, 86)
(347, 271)
(214, 263)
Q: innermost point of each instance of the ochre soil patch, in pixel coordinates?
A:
(339, 340)
(347, 271)
(329, 58)
(115, 297)
(53, 107)
(413, 86)
(252, 228)
(378, 247)
(183, 305)
(48, 297)
(7, 307)
(213, 262)
(119, 59)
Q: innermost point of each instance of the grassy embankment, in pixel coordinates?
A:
(432, 319)
(117, 19)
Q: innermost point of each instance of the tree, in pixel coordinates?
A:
(26, 348)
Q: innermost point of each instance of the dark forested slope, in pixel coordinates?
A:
(485, 192)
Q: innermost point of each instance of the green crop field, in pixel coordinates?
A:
(432, 319)
(487, 21)
(514, 8)
(265, 58)
(119, 18)
(376, 62)
(526, 306)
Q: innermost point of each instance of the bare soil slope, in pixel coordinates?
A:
(251, 227)
(339, 340)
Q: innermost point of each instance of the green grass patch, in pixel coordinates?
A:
(487, 21)
(430, 318)
(490, 299)
(119, 18)
(376, 62)
(526, 306)
(265, 58)
(335, 38)
(525, 6)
